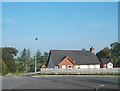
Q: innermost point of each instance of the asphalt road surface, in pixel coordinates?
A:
(65, 82)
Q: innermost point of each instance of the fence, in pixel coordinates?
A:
(80, 71)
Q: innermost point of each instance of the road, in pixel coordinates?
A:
(58, 82)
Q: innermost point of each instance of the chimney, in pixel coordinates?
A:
(92, 50)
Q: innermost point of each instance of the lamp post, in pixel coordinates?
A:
(35, 55)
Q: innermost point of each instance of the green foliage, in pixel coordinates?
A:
(41, 59)
(21, 67)
(32, 67)
(24, 60)
(9, 51)
(3, 68)
(104, 53)
(25, 55)
(83, 49)
(9, 65)
(27, 63)
(24, 63)
(38, 59)
(113, 53)
(45, 57)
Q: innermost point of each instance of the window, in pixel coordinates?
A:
(69, 66)
(56, 66)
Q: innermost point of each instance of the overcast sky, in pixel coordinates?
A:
(68, 26)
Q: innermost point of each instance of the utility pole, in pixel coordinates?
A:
(36, 54)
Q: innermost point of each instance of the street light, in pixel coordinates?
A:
(35, 54)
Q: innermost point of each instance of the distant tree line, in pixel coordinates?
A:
(10, 63)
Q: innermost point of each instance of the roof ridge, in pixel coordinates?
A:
(72, 50)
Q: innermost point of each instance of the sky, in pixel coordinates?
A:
(60, 25)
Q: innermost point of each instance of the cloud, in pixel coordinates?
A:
(97, 25)
(8, 21)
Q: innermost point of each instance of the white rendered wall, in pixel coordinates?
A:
(97, 66)
(84, 66)
(109, 65)
(92, 66)
(87, 66)
(77, 66)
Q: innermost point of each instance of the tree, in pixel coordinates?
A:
(9, 50)
(23, 56)
(8, 54)
(41, 59)
(21, 67)
(112, 53)
(3, 68)
(115, 51)
(24, 59)
(104, 53)
(38, 56)
(45, 57)
(38, 59)
(83, 49)
(32, 67)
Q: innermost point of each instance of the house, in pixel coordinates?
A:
(73, 59)
(105, 63)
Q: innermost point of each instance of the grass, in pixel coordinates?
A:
(77, 75)
(96, 75)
